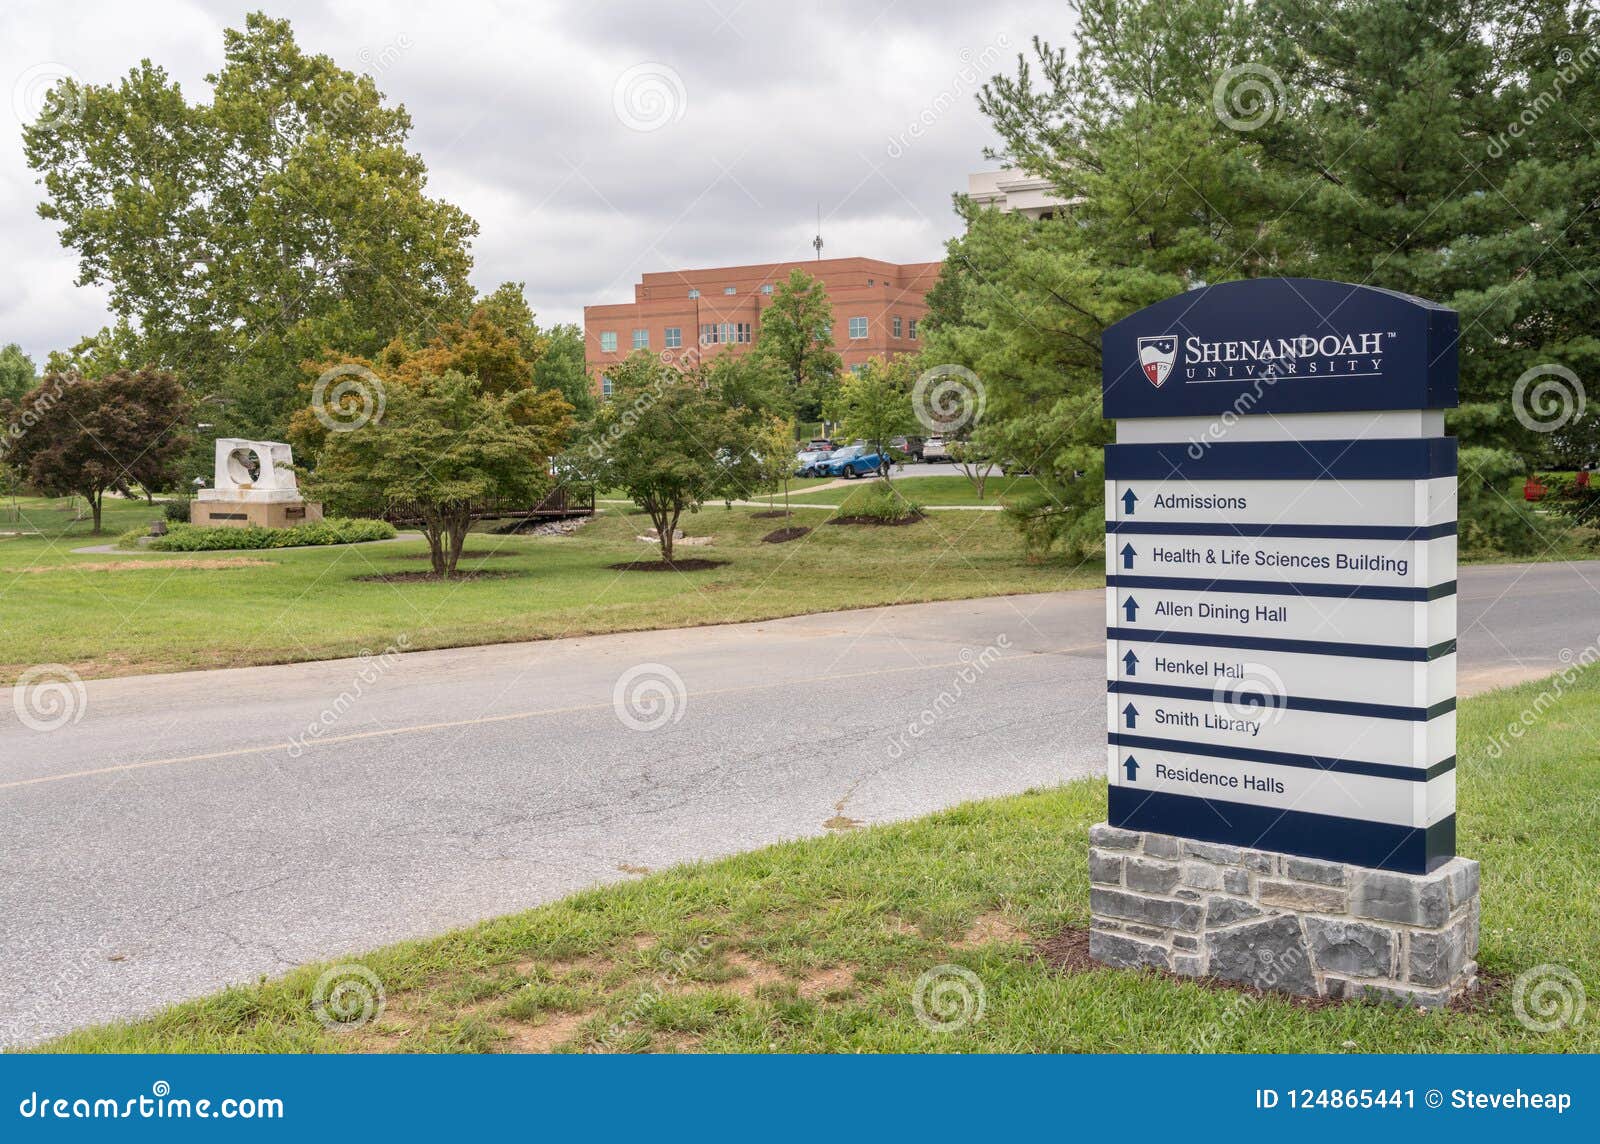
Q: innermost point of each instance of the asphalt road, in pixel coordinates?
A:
(186, 831)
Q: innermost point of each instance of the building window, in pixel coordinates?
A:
(641, 339)
(858, 370)
(605, 386)
(913, 329)
(727, 289)
(766, 287)
(608, 341)
(895, 323)
(858, 327)
(693, 293)
(674, 337)
(725, 333)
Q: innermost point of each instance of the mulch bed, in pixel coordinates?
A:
(421, 577)
(784, 534)
(464, 555)
(691, 564)
(901, 523)
(780, 514)
(1067, 952)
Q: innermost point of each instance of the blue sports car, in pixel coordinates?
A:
(854, 461)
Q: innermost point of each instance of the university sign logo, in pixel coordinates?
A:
(1298, 345)
(1156, 357)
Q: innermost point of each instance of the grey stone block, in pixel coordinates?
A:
(1202, 875)
(1226, 911)
(1150, 876)
(1163, 846)
(1394, 994)
(1184, 941)
(1155, 933)
(1188, 964)
(1126, 952)
(1414, 899)
(1359, 949)
(1211, 852)
(1437, 957)
(1302, 898)
(1187, 895)
(1314, 870)
(1259, 860)
(1269, 954)
(1105, 868)
(1340, 989)
(1113, 838)
(1151, 911)
(1461, 880)
(1235, 881)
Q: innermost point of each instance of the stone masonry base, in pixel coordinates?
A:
(1279, 922)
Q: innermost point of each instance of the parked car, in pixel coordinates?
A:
(812, 462)
(856, 461)
(908, 447)
(933, 449)
(823, 444)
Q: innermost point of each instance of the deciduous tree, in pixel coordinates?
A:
(442, 450)
(252, 231)
(670, 441)
(797, 337)
(17, 373)
(874, 404)
(83, 436)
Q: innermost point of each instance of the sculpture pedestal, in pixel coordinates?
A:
(217, 509)
(254, 485)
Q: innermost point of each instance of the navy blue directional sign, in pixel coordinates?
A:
(1281, 571)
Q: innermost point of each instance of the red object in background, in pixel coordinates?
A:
(1533, 490)
(1583, 480)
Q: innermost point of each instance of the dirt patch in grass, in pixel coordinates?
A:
(692, 564)
(135, 565)
(753, 978)
(783, 535)
(434, 577)
(544, 1037)
(778, 515)
(872, 520)
(752, 975)
(991, 929)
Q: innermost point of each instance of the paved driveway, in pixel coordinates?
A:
(190, 831)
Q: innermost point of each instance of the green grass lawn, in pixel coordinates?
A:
(951, 490)
(816, 946)
(121, 613)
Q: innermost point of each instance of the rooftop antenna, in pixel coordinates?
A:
(817, 242)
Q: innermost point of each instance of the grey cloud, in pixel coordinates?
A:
(866, 108)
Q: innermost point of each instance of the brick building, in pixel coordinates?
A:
(679, 314)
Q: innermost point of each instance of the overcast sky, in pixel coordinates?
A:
(591, 141)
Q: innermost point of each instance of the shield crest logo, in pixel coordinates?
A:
(1156, 357)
